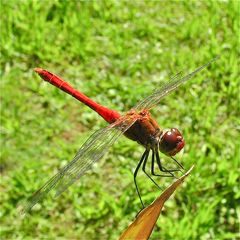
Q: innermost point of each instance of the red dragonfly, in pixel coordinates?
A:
(137, 124)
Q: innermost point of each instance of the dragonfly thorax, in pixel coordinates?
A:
(145, 130)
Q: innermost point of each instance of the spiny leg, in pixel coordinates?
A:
(152, 167)
(179, 164)
(136, 172)
(160, 165)
(170, 170)
(144, 170)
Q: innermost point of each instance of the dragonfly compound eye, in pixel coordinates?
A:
(171, 142)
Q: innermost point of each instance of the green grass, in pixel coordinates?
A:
(117, 53)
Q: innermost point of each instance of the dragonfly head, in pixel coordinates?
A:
(171, 142)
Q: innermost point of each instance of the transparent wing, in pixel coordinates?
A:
(91, 151)
(167, 88)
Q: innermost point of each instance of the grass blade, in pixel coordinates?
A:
(143, 225)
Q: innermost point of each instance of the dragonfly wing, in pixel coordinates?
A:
(167, 88)
(91, 151)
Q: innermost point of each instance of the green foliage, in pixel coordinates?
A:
(117, 52)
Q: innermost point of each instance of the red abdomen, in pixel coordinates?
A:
(109, 115)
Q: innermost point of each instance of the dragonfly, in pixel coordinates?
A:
(137, 125)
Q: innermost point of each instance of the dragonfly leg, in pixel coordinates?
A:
(161, 168)
(144, 170)
(152, 168)
(178, 163)
(136, 172)
(172, 170)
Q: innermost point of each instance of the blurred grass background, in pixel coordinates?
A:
(117, 53)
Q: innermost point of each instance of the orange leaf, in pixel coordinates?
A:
(143, 225)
